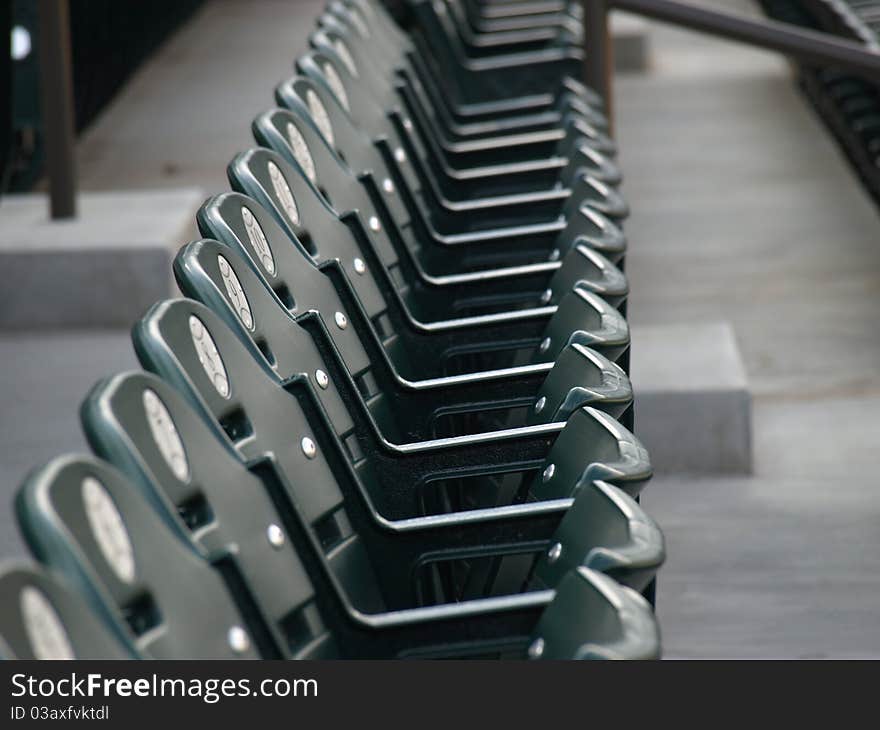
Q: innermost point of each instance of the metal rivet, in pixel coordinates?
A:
(238, 640)
(545, 345)
(554, 552)
(322, 379)
(546, 296)
(359, 266)
(400, 155)
(308, 447)
(539, 406)
(548, 473)
(407, 124)
(555, 254)
(275, 535)
(388, 186)
(536, 650)
(341, 320)
(374, 224)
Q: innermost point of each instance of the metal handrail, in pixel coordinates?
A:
(793, 41)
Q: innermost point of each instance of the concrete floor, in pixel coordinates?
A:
(743, 211)
(188, 111)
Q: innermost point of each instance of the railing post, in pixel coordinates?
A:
(56, 96)
(599, 61)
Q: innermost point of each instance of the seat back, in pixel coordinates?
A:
(180, 460)
(212, 273)
(356, 323)
(216, 275)
(144, 578)
(313, 131)
(42, 617)
(244, 225)
(190, 347)
(361, 244)
(417, 196)
(371, 263)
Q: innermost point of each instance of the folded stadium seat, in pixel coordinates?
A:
(417, 87)
(494, 83)
(469, 105)
(451, 207)
(627, 632)
(547, 32)
(148, 583)
(191, 347)
(410, 73)
(499, 17)
(392, 419)
(629, 550)
(399, 226)
(174, 455)
(414, 383)
(305, 214)
(398, 60)
(459, 147)
(41, 617)
(395, 410)
(395, 218)
(370, 301)
(372, 19)
(473, 166)
(415, 130)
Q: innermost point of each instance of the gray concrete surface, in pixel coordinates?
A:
(632, 42)
(186, 112)
(692, 398)
(744, 211)
(44, 379)
(100, 269)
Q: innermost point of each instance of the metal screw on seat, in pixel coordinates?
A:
(238, 640)
(548, 473)
(400, 155)
(554, 255)
(546, 296)
(375, 226)
(359, 266)
(308, 447)
(388, 186)
(554, 553)
(322, 379)
(539, 406)
(545, 345)
(275, 535)
(341, 320)
(536, 649)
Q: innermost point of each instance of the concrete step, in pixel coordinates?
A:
(693, 407)
(100, 269)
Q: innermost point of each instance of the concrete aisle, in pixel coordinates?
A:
(744, 211)
(189, 110)
(175, 125)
